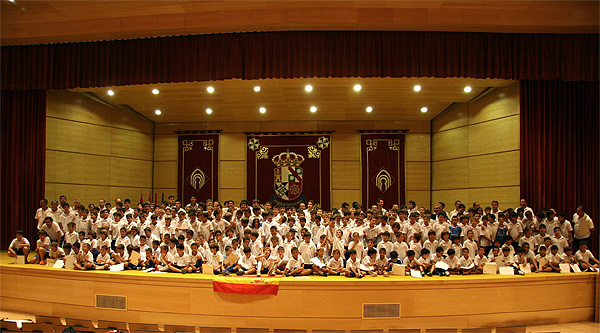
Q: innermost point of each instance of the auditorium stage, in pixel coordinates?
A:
(303, 303)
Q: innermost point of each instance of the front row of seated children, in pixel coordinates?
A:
(175, 259)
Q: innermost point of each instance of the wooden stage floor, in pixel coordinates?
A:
(303, 303)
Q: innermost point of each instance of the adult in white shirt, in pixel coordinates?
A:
(583, 227)
(55, 212)
(523, 204)
(42, 212)
(52, 229)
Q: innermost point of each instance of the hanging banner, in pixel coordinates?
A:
(382, 158)
(198, 167)
(289, 169)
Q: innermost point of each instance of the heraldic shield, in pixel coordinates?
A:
(288, 175)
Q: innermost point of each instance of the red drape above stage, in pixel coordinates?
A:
(560, 147)
(23, 141)
(296, 54)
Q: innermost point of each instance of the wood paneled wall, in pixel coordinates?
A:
(345, 160)
(475, 151)
(94, 150)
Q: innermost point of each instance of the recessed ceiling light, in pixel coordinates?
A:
(417, 88)
(262, 109)
(209, 111)
(110, 93)
(257, 88)
(308, 88)
(313, 109)
(357, 87)
(11, 0)
(369, 109)
(155, 91)
(424, 109)
(468, 89)
(210, 90)
(157, 112)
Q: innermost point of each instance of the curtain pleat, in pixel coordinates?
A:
(296, 54)
(559, 147)
(23, 142)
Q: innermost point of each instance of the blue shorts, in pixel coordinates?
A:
(308, 266)
(19, 251)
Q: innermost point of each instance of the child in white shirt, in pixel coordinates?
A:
(103, 258)
(466, 261)
(247, 263)
(586, 258)
(295, 265)
(335, 266)
(353, 266)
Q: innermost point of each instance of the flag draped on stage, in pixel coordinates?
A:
(198, 166)
(289, 169)
(382, 158)
(253, 287)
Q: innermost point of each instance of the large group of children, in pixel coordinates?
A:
(255, 239)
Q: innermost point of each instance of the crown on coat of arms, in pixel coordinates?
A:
(288, 159)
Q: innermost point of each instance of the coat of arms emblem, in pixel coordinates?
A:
(288, 175)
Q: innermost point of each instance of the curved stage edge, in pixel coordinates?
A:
(315, 303)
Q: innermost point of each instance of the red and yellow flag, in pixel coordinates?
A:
(256, 286)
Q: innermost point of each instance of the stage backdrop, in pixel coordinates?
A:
(289, 169)
(198, 167)
(382, 159)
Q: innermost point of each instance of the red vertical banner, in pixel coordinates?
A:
(198, 167)
(289, 169)
(383, 174)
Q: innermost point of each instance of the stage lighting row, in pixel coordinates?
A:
(308, 88)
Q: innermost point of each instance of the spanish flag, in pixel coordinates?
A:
(257, 286)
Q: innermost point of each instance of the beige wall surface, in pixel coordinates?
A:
(94, 150)
(475, 151)
(345, 155)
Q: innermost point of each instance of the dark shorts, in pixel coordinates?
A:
(308, 266)
(19, 251)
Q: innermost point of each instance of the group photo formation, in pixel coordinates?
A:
(299, 166)
(267, 239)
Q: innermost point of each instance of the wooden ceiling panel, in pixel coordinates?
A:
(29, 22)
(392, 99)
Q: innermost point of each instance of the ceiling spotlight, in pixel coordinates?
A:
(308, 88)
(369, 109)
(313, 109)
(110, 93)
(357, 87)
(424, 109)
(468, 89)
(262, 110)
(209, 111)
(11, 0)
(417, 88)
(257, 88)
(210, 90)
(155, 91)
(157, 112)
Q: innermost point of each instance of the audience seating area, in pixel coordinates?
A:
(48, 324)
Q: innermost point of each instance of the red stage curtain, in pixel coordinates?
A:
(262, 55)
(382, 159)
(198, 167)
(559, 147)
(289, 169)
(23, 162)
